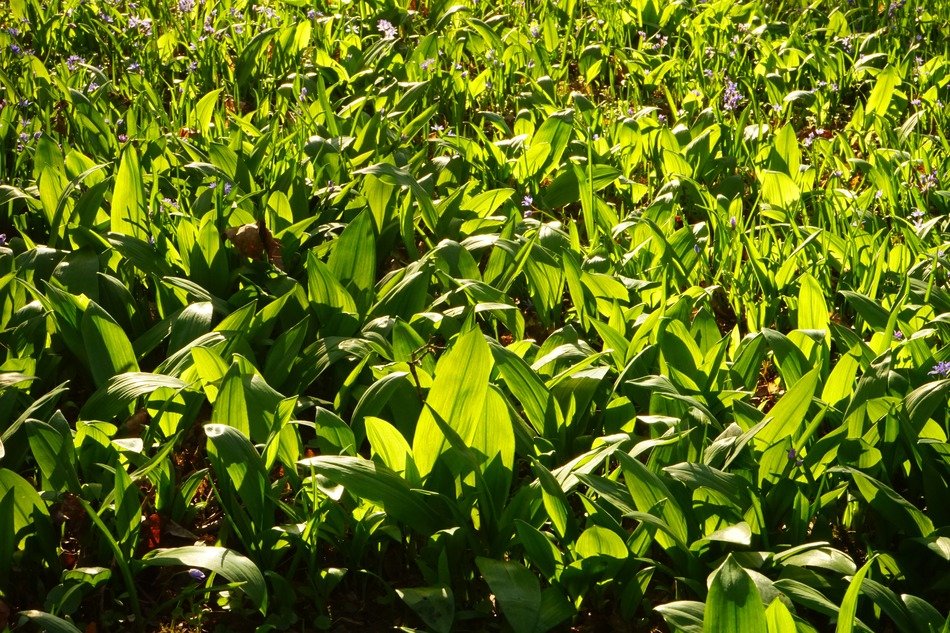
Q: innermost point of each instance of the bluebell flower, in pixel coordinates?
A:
(387, 29)
(731, 97)
(941, 369)
(197, 574)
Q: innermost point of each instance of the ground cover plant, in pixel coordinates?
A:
(467, 316)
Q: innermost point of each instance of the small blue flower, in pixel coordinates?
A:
(197, 575)
(527, 201)
(3, 239)
(227, 188)
(941, 369)
(386, 28)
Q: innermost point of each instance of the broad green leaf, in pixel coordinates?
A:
(600, 541)
(28, 506)
(648, 490)
(883, 92)
(517, 591)
(108, 348)
(733, 603)
(778, 619)
(353, 259)
(128, 196)
(205, 109)
(888, 503)
(220, 560)
(812, 309)
(458, 396)
(364, 479)
(435, 605)
(49, 622)
(786, 417)
(120, 391)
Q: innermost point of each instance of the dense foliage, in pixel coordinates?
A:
(613, 315)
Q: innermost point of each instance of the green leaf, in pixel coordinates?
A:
(242, 486)
(599, 541)
(388, 443)
(108, 348)
(434, 605)
(220, 560)
(648, 490)
(28, 506)
(778, 619)
(128, 197)
(49, 623)
(458, 396)
(53, 450)
(517, 591)
(205, 109)
(849, 606)
(887, 503)
(786, 417)
(779, 190)
(120, 391)
(421, 511)
(881, 95)
(812, 309)
(353, 259)
(733, 603)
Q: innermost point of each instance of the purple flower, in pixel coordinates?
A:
(792, 454)
(386, 28)
(227, 188)
(898, 335)
(197, 575)
(186, 6)
(732, 221)
(312, 14)
(527, 201)
(3, 239)
(426, 64)
(929, 181)
(143, 25)
(133, 67)
(16, 50)
(731, 97)
(122, 138)
(535, 31)
(303, 94)
(941, 369)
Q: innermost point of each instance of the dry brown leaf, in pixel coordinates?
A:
(254, 240)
